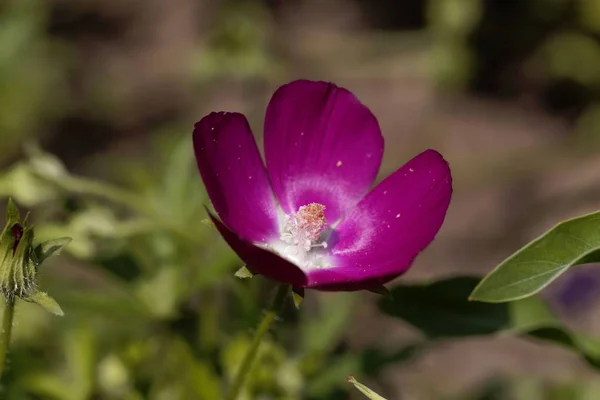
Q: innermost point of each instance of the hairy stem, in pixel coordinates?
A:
(7, 323)
(263, 328)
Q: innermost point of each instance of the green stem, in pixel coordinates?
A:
(7, 323)
(95, 188)
(124, 197)
(263, 328)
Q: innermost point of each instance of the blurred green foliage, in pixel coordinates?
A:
(152, 308)
(30, 71)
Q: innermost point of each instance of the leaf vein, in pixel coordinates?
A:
(532, 277)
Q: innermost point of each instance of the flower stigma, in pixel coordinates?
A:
(301, 235)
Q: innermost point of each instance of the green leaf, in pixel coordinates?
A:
(441, 310)
(50, 248)
(297, 297)
(364, 390)
(243, 273)
(46, 302)
(529, 270)
(208, 223)
(12, 213)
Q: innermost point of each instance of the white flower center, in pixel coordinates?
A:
(301, 234)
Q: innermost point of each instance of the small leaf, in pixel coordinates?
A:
(364, 390)
(297, 296)
(26, 219)
(50, 248)
(540, 262)
(12, 213)
(209, 223)
(243, 273)
(381, 290)
(46, 302)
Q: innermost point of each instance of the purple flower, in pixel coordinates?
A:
(308, 219)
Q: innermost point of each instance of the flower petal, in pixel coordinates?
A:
(261, 261)
(235, 177)
(321, 145)
(373, 285)
(380, 238)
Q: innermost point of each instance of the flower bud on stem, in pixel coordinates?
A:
(19, 263)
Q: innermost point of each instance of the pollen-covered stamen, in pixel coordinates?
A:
(303, 229)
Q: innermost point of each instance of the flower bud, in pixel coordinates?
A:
(20, 259)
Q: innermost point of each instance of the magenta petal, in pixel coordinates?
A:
(234, 176)
(352, 286)
(321, 145)
(259, 260)
(380, 238)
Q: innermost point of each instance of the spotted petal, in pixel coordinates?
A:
(321, 145)
(380, 238)
(235, 177)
